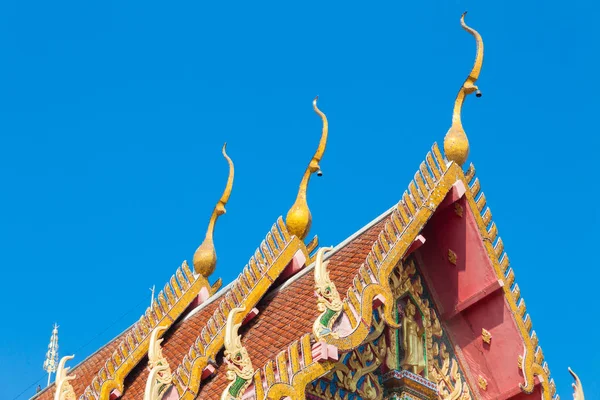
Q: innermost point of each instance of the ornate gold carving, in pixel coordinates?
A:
(328, 298)
(448, 377)
(452, 257)
(354, 367)
(531, 362)
(64, 390)
(160, 377)
(520, 362)
(175, 297)
(299, 219)
(482, 382)
(269, 260)
(456, 144)
(486, 336)
(205, 257)
(239, 365)
(577, 387)
(458, 209)
(360, 363)
(411, 341)
(401, 228)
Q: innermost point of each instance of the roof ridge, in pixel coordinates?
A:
(175, 297)
(274, 253)
(532, 362)
(332, 252)
(408, 216)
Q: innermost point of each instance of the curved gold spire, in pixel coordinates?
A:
(577, 387)
(456, 144)
(205, 257)
(299, 219)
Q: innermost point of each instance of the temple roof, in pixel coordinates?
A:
(274, 328)
(272, 302)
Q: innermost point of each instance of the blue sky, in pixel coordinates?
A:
(113, 114)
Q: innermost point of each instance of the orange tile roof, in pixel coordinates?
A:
(286, 314)
(276, 326)
(86, 370)
(177, 343)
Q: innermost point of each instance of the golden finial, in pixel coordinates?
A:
(205, 257)
(456, 144)
(298, 219)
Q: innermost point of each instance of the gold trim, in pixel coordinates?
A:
(486, 336)
(482, 382)
(176, 296)
(205, 257)
(299, 218)
(239, 365)
(270, 259)
(63, 389)
(456, 144)
(532, 361)
(452, 257)
(329, 302)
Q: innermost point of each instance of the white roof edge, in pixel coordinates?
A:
(217, 295)
(337, 248)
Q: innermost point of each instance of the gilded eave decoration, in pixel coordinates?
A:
(270, 259)
(171, 302)
(329, 302)
(456, 144)
(205, 257)
(532, 361)
(299, 218)
(160, 377)
(239, 365)
(64, 390)
(431, 184)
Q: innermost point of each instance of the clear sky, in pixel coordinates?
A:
(113, 114)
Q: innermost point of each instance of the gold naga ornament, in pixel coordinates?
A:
(299, 219)
(239, 366)
(160, 376)
(205, 257)
(64, 390)
(577, 387)
(328, 298)
(456, 144)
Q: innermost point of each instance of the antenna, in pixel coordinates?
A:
(51, 361)
(152, 298)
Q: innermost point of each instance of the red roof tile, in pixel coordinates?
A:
(86, 370)
(176, 345)
(274, 329)
(289, 313)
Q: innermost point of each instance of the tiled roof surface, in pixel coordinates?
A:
(176, 345)
(284, 316)
(86, 370)
(290, 312)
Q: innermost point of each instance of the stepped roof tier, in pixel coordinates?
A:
(420, 303)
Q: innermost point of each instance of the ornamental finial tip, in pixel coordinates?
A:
(299, 219)
(456, 144)
(577, 386)
(205, 257)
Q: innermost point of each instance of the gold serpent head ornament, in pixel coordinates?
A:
(205, 257)
(456, 144)
(299, 219)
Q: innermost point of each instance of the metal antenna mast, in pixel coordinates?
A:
(51, 361)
